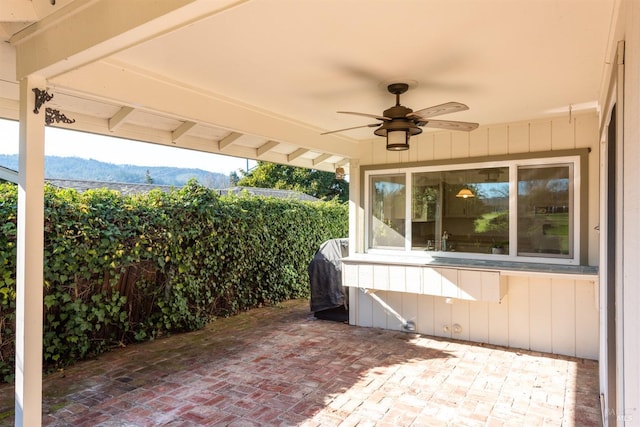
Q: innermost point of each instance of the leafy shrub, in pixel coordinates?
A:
(120, 269)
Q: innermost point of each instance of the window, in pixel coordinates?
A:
(512, 209)
(544, 207)
(388, 211)
(464, 211)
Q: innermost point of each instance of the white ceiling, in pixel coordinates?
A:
(278, 70)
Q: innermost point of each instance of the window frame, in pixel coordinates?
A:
(578, 192)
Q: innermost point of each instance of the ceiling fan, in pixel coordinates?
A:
(399, 123)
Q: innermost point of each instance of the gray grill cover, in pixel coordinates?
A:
(325, 275)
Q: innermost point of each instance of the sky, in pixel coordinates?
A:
(68, 143)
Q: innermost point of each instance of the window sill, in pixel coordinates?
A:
(505, 268)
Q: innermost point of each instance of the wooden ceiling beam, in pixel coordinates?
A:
(182, 130)
(228, 140)
(268, 146)
(119, 118)
(320, 159)
(299, 152)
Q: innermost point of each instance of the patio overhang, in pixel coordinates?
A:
(263, 79)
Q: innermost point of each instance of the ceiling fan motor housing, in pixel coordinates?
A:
(399, 121)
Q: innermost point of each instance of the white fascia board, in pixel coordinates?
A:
(116, 83)
(87, 30)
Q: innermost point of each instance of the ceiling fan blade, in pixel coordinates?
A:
(371, 125)
(448, 124)
(437, 110)
(373, 116)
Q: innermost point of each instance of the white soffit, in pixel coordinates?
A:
(279, 70)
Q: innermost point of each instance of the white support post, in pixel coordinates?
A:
(30, 254)
(356, 229)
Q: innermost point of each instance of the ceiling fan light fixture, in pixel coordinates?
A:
(398, 140)
(398, 132)
(465, 193)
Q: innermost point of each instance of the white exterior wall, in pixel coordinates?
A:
(626, 409)
(550, 314)
(557, 316)
(559, 133)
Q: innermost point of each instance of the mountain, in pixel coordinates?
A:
(94, 170)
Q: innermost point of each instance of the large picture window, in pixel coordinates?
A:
(509, 209)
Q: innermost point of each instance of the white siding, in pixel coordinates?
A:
(550, 315)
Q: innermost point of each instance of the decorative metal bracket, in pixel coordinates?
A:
(52, 115)
(42, 96)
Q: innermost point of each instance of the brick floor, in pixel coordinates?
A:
(278, 366)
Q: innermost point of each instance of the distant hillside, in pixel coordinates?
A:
(93, 170)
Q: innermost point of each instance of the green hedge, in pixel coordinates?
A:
(120, 269)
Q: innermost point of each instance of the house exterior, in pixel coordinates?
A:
(540, 254)
(428, 254)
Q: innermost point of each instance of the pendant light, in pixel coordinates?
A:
(465, 193)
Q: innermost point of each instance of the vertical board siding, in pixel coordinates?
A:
(479, 322)
(498, 140)
(479, 142)
(587, 133)
(519, 138)
(410, 307)
(364, 309)
(425, 322)
(460, 316)
(442, 146)
(397, 278)
(470, 285)
(459, 145)
(431, 281)
(381, 277)
(540, 309)
(563, 312)
(380, 318)
(499, 322)
(550, 315)
(540, 136)
(442, 317)
(560, 133)
(449, 281)
(587, 326)
(519, 315)
(394, 299)
(413, 280)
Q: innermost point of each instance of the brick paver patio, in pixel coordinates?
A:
(278, 366)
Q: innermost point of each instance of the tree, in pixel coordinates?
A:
(320, 184)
